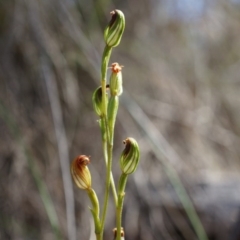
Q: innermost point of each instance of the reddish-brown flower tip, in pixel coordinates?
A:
(116, 68)
(80, 172)
(83, 160)
(116, 79)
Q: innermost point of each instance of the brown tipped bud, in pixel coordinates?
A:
(80, 172)
(115, 234)
(130, 156)
(114, 31)
(116, 80)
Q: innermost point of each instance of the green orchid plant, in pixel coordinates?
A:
(105, 103)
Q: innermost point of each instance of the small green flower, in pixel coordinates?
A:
(130, 156)
(80, 172)
(116, 80)
(114, 31)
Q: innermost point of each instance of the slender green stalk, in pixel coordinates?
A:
(106, 144)
(98, 236)
(107, 188)
(110, 129)
(112, 182)
(95, 211)
(105, 60)
(121, 194)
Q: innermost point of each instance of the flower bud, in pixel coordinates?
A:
(114, 31)
(80, 172)
(116, 80)
(130, 156)
(97, 100)
(115, 234)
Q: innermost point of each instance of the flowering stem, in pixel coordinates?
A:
(105, 59)
(121, 194)
(107, 146)
(98, 236)
(104, 143)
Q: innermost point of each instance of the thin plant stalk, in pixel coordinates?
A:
(121, 194)
(106, 144)
(105, 61)
(95, 212)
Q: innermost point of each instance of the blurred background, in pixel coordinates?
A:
(181, 102)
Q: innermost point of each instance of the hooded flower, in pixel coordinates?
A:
(130, 156)
(80, 172)
(114, 31)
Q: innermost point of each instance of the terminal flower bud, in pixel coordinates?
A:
(114, 31)
(130, 156)
(116, 80)
(80, 172)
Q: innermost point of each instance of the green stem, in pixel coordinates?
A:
(112, 184)
(95, 210)
(104, 143)
(98, 236)
(121, 194)
(107, 147)
(105, 60)
(106, 198)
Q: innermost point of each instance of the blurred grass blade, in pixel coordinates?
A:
(42, 188)
(62, 145)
